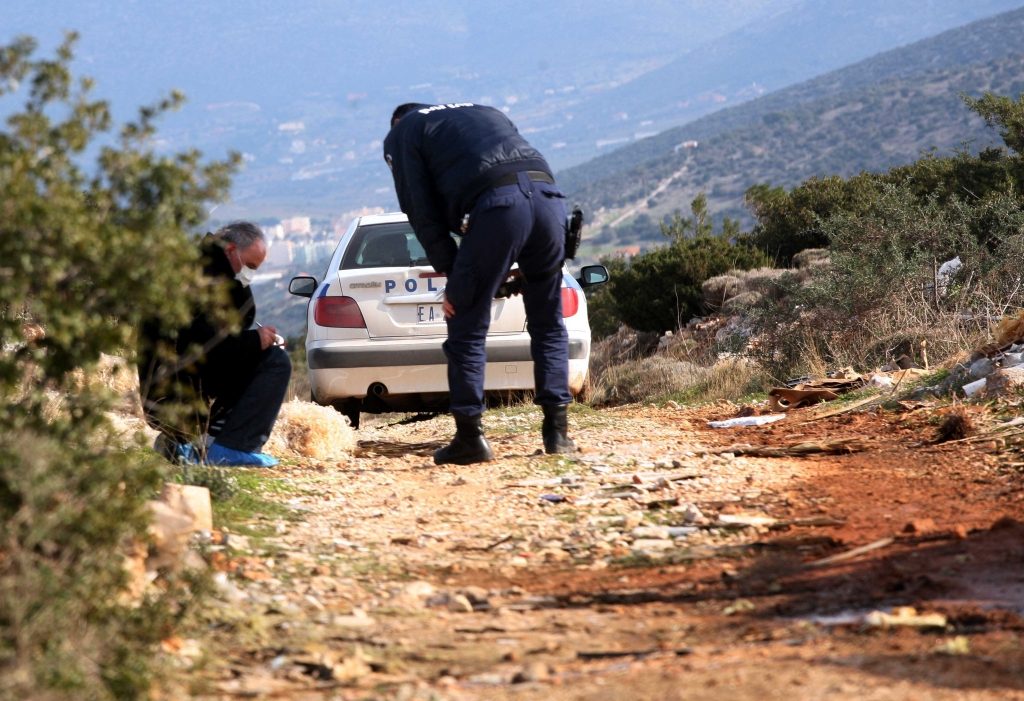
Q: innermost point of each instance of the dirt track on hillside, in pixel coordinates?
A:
(528, 578)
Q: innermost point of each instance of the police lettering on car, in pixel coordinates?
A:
(410, 285)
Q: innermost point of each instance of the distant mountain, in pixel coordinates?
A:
(795, 43)
(878, 113)
(304, 88)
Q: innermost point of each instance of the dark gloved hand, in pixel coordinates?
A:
(513, 285)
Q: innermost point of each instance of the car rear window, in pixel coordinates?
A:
(384, 246)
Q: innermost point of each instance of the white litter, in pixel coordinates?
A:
(972, 388)
(747, 421)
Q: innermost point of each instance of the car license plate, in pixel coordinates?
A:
(429, 313)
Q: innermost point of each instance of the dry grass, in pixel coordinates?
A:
(1009, 330)
(307, 430)
(644, 379)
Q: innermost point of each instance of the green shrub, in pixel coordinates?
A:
(86, 253)
(660, 290)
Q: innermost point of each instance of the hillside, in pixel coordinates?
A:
(304, 90)
(870, 116)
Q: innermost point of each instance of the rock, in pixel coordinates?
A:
(982, 367)
(419, 589)
(649, 545)
(690, 513)
(1005, 381)
(413, 595)
(681, 531)
(487, 679)
(459, 604)
(960, 531)
(192, 501)
(357, 619)
(138, 578)
(920, 525)
(654, 532)
(476, 595)
(745, 520)
(533, 672)
(239, 542)
(633, 519)
(170, 530)
(1012, 360)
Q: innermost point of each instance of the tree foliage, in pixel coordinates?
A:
(788, 222)
(94, 237)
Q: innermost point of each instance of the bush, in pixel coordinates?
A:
(85, 255)
(661, 289)
(880, 297)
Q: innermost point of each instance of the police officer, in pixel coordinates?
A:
(464, 168)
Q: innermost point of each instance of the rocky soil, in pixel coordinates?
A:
(819, 557)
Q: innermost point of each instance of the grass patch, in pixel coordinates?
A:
(249, 512)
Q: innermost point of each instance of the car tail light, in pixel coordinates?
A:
(570, 302)
(338, 312)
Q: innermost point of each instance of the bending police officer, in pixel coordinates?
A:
(465, 168)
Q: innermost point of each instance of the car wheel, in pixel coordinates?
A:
(350, 409)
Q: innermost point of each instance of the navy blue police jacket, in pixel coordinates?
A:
(442, 158)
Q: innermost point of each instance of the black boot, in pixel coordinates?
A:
(468, 446)
(555, 430)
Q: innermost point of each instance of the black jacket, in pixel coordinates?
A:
(213, 357)
(442, 158)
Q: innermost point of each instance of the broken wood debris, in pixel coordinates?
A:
(838, 446)
(483, 548)
(615, 654)
(851, 554)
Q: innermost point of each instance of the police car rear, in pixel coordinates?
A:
(375, 326)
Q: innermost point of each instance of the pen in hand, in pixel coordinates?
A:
(278, 338)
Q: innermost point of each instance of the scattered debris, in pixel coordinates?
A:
(838, 446)
(747, 421)
(851, 554)
(905, 616)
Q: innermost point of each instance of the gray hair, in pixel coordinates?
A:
(241, 233)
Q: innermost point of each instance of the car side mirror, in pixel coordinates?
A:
(303, 286)
(592, 275)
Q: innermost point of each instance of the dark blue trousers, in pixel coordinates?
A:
(249, 419)
(523, 223)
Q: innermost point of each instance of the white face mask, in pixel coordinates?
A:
(245, 275)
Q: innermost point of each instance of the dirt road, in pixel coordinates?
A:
(660, 562)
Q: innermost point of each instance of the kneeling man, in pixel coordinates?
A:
(222, 374)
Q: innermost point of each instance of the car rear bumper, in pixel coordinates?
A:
(330, 357)
(393, 368)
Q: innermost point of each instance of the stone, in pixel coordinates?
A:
(477, 595)
(649, 545)
(982, 367)
(458, 603)
(532, 672)
(356, 619)
(919, 526)
(170, 530)
(655, 532)
(681, 531)
(1005, 381)
(690, 513)
(192, 501)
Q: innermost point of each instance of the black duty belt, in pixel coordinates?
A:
(535, 175)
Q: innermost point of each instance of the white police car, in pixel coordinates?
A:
(375, 326)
